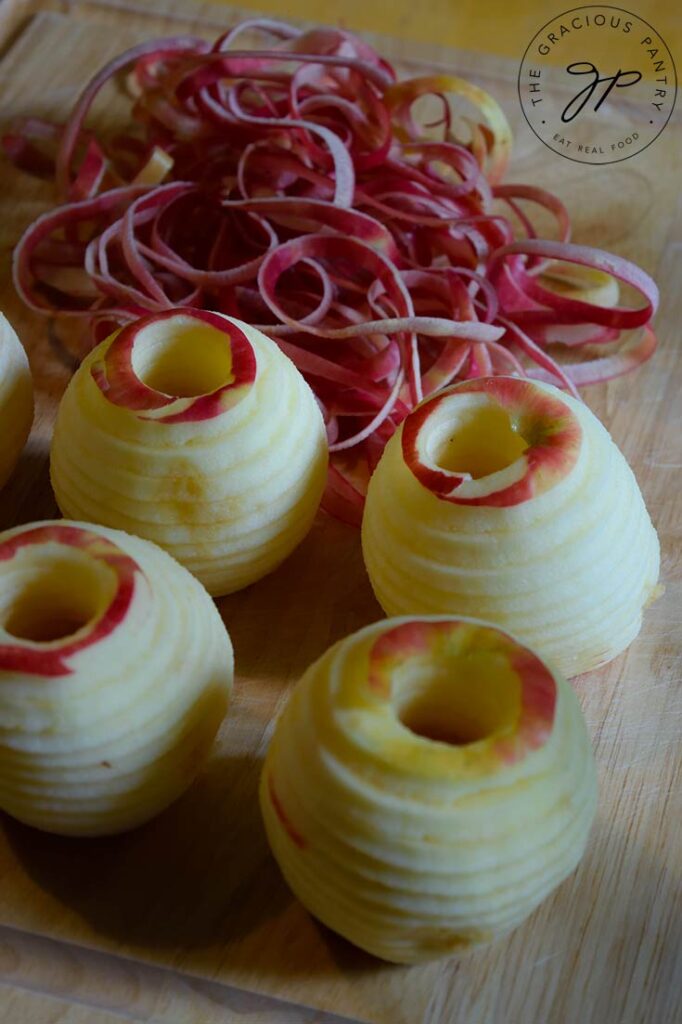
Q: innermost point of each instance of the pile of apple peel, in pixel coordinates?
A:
(293, 183)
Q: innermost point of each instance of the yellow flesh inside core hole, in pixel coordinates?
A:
(483, 441)
(54, 597)
(182, 358)
(471, 698)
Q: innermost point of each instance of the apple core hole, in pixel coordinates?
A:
(470, 699)
(54, 598)
(483, 440)
(182, 357)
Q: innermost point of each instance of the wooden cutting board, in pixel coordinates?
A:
(179, 920)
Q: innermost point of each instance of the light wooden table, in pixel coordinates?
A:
(497, 27)
(78, 945)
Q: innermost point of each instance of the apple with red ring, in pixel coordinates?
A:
(117, 379)
(539, 431)
(115, 674)
(53, 660)
(428, 784)
(506, 499)
(16, 399)
(193, 430)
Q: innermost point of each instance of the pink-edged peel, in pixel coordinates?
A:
(548, 426)
(52, 659)
(116, 378)
(428, 641)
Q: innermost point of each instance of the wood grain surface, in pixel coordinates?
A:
(179, 920)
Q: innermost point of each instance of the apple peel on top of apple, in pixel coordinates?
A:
(428, 784)
(505, 499)
(193, 430)
(115, 674)
(16, 399)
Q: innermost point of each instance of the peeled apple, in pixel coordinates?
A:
(195, 431)
(428, 784)
(16, 399)
(506, 499)
(115, 673)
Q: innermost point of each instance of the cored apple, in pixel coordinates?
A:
(505, 499)
(115, 673)
(195, 431)
(16, 399)
(429, 783)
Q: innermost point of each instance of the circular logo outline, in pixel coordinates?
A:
(589, 7)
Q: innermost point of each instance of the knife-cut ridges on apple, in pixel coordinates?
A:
(195, 431)
(429, 783)
(115, 673)
(16, 399)
(507, 500)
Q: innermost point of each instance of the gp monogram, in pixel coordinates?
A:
(597, 84)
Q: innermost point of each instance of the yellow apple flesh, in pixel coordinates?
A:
(115, 673)
(428, 784)
(16, 399)
(507, 500)
(195, 431)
